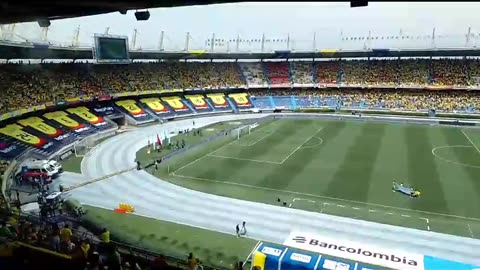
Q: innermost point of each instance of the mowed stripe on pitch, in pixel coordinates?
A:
(227, 169)
(353, 177)
(470, 176)
(422, 170)
(293, 170)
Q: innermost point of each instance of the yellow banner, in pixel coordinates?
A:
(38, 124)
(198, 101)
(75, 99)
(154, 104)
(218, 100)
(328, 51)
(241, 99)
(62, 118)
(84, 113)
(176, 103)
(196, 51)
(131, 106)
(16, 131)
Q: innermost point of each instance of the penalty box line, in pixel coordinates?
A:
(268, 161)
(218, 156)
(198, 159)
(321, 197)
(246, 159)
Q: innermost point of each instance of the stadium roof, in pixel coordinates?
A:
(13, 11)
(41, 51)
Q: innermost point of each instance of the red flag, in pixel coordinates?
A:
(159, 142)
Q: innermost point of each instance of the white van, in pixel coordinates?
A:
(56, 165)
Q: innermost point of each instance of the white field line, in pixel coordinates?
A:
(468, 138)
(324, 197)
(428, 223)
(320, 141)
(257, 141)
(246, 159)
(470, 230)
(251, 252)
(451, 161)
(300, 146)
(214, 151)
(299, 199)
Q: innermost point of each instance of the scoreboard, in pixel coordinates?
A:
(111, 49)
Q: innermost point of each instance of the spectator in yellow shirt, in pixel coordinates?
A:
(105, 236)
(66, 234)
(85, 247)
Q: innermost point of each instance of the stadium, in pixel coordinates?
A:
(242, 152)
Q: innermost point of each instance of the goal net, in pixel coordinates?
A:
(82, 147)
(244, 130)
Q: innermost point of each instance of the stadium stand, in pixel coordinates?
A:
(302, 73)
(328, 72)
(218, 102)
(413, 72)
(254, 74)
(278, 73)
(42, 85)
(57, 245)
(449, 72)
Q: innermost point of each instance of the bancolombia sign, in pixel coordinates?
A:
(355, 251)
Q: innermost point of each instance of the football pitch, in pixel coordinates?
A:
(346, 168)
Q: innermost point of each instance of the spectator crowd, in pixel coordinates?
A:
(411, 100)
(27, 85)
(87, 251)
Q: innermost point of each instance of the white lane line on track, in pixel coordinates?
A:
(179, 222)
(300, 146)
(428, 223)
(468, 138)
(470, 230)
(246, 159)
(324, 197)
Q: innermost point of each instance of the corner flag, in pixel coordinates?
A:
(159, 141)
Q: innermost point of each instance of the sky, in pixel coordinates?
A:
(334, 25)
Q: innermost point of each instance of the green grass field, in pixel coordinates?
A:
(212, 248)
(346, 168)
(189, 138)
(72, 164)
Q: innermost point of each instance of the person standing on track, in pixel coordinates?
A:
(237, 229)
(244, 230)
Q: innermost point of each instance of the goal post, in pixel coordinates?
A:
(245, 130)
(242, 131)
(82, 147)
